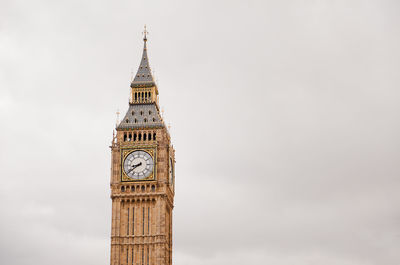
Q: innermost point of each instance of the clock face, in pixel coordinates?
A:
(138, 165)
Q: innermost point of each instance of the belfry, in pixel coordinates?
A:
(142, 178)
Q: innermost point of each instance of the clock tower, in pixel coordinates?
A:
(142, 178)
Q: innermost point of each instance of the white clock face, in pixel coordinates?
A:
(138, 165)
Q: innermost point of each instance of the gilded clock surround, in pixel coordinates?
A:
(150, 150)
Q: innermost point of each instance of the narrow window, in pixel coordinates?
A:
(142, 95)
(140, 136)
(125, 137)
(135, 120)
(130, 137)
(134, 136)
(148, 254)
(133, 223)
(148, 221)
(143, 221)
(123, 189)
(127, 227)
(154, 119)
(127, 254)
(154, 136)
(145, 119)
(149, 112)
(153, 188)
(126, 120)
(144, 135)
(132, 255)
(149, 136)
(135, 97)
(143, 255)
(150, 95)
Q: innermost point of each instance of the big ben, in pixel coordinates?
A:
(142, 178)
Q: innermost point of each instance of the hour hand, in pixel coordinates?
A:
(135, 166)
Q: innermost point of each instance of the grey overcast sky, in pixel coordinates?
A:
(285, 118)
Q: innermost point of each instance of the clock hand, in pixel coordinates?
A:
(135, 166)
(130, 170)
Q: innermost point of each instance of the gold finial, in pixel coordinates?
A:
(145, 32)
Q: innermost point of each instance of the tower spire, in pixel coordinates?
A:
(143, 77)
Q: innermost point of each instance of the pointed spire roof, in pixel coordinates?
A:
(143, 77)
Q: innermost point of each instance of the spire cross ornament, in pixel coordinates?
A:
(145, 32)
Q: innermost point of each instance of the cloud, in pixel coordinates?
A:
(284, 119)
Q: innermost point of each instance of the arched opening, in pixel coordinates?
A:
(123, 189)
(130, 137)
(149, 136)
(153, 188)
(140, 136)
(143, 188)
(134, 137)
(125, 136)
(135, 97)
(144, 137)
(154, 136)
